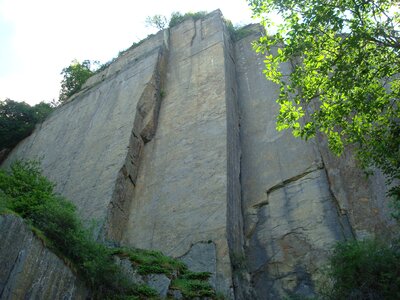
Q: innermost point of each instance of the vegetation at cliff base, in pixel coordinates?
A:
(366, 269)
(24, 191)
(18, 119)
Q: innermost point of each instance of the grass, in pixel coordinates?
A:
(192, 288)
(149, 261)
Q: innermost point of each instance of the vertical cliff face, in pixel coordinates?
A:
(174, 148)
(91, 146)
(298, 199)
(182, 196)
(291, 218)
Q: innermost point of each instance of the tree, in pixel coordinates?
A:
(158, 21)
(18, 119)
(344, 82)
(74, 77)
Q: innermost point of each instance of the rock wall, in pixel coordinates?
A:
(174, 148)
(91, 146)
(291, 219)
(180, 200)
(30, 271)
(298, 199)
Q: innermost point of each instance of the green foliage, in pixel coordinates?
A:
(241, 32)
(18, 119)
(177, 17)
(157, 21)
(196, 275)
(149, 261)
(237, 32)
(192, 288)
(344, 82)
(74, 77)
(191, 284)
(364, 270)
(23, 190)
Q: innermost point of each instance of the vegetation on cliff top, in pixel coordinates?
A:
(75, 75)
(24, 191)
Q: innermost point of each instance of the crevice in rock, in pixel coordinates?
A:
(344, 221)
(144, 128)
(240, 275)
(14, 265)
(343, 217)
(195, 33)
(202, 257)
(285, 183)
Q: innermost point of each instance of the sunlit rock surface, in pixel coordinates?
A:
(173, 147)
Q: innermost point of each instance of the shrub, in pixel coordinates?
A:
(18, 119)
(24, 191)
(367, 269)
(177, 17)
(29, 194)
(75, 75)
(150, 261)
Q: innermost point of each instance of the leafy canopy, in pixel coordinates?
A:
(74, 77)
(157, 21)
(344, 61)
(18, 119)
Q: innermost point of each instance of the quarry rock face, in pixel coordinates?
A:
(173, 147)
(30, 271)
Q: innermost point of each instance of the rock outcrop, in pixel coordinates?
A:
(174, 148)
(30, 271)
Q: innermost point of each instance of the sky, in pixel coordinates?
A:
(38, 38)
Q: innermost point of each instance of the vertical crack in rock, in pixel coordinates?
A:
(235, 227)
(195, 33)
(283, 265)
(343, 217)
(144, 128)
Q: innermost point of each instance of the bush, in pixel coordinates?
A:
(29, 194)
(18, 119)
(177, 17)
(75, 76)
(26, 192)
(367, 269)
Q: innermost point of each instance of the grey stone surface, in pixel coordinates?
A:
(181, 192)
(290, 217)
(176, 294)
(205, 163)
(293, 236)
(159, 282)
(90, 147)
(360, 197)
(129, 271)
(30, 271)
(202, 257)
